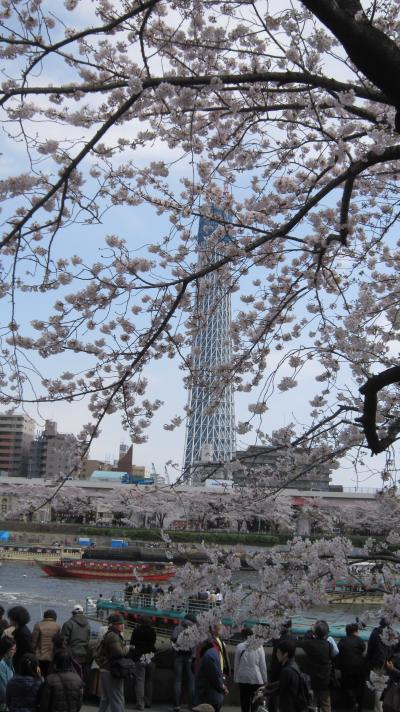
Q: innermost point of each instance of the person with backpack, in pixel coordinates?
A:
(274, 671)
(291, 688)
(250, 670)
(112, 649)
(320, 655)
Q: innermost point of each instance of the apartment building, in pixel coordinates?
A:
(17, 434)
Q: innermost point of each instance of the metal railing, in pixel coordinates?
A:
(154, 601)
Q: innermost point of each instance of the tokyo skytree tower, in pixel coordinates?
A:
(210, 432)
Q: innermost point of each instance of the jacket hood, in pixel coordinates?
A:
(80, 619)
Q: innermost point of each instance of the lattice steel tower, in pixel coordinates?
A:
(210, 433)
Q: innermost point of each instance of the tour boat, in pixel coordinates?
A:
(111, 570)
(15, 552)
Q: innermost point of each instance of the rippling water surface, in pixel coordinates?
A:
(27, 585)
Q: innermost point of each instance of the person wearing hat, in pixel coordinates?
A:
(42, 639)
(112, 648)
(7, 652)
(76, 632)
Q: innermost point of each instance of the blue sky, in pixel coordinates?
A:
(165, 378)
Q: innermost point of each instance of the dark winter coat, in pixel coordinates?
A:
(209, 680)
(319, 662)
(351, 659)
(61, 692)
(22, 693)
(77, 636)
(112, 647)
(288, 690)
(144, 639)
(377, 651)
(23, 640)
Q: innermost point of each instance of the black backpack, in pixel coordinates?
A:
(303, 700)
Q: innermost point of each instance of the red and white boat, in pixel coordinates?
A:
(111, 570)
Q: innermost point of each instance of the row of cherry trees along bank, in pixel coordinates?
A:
(231, 511)
(286, 116)
(282, 583)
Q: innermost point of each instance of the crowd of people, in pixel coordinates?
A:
(149, 595)
(51, 667)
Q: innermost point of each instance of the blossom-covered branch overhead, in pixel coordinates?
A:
(285, 115)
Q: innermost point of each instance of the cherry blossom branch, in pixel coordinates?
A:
(233, 81)
(75, 37)
(119, 385)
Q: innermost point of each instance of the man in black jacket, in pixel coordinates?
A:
(352, 665)
(287, 687)
(143, 641)
(320, 664)
(275, 668)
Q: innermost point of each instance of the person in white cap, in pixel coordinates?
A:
(76, 632)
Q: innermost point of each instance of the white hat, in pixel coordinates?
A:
(77, 609)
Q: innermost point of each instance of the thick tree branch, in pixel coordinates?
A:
(369, 390)
(375, 54)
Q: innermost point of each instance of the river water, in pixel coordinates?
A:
(25, 584)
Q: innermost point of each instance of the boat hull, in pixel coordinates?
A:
(120, 573)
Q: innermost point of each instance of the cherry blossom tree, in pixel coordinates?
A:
(273, 111)
(283, 114)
